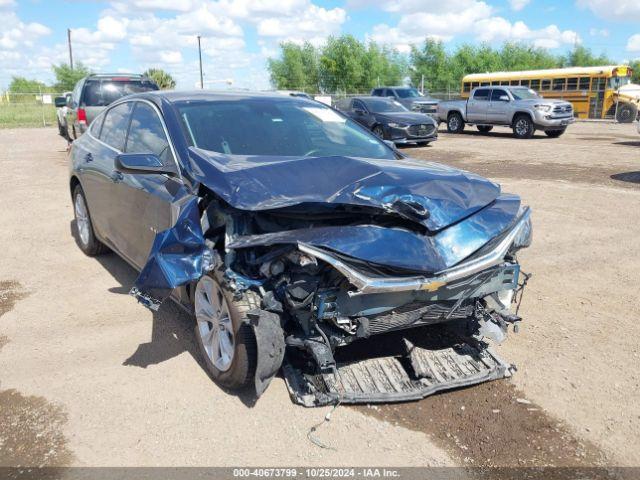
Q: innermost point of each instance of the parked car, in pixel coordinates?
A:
(520, 108)
(410, 97)
(62, 105)
(285, 227)
(390, 120)
(95, 92)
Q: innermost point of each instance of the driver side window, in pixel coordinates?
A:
(146, 134)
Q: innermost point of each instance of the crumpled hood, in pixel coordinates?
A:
(431, 194)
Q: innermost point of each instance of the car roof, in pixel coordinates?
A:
(175, 96)
(373, 97)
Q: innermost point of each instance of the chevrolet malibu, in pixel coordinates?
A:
(301, 242)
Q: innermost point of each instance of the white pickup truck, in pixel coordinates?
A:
(520, 108)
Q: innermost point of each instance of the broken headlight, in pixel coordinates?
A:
(525, 235)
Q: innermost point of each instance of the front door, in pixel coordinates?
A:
(143, 200)
(499, 109)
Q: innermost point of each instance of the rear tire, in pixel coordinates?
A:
(455, 123)
(484, 128)
(554, 133)
(85, 236)
(523, 127)
(223, 333)
(627, 113)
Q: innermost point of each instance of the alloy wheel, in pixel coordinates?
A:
(214, 323)
(82, 219)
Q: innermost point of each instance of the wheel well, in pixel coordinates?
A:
(520, 114)
(454, 112)
(73, 183)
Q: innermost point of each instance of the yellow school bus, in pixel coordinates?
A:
(595, 92)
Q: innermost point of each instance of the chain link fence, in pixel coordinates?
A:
(35, 109)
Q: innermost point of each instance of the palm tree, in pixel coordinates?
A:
(162, 78)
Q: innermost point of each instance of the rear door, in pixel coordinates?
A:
(112, 139)
(499, 108)
(477, 106)
(143, 201)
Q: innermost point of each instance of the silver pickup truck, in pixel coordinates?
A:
(520, 108)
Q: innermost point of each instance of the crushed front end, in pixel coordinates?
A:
(375, 301)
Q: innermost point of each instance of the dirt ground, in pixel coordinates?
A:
(89, 377)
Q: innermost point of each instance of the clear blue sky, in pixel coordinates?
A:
(239, 35)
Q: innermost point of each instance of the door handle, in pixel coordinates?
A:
(88, 157)
(117, 177)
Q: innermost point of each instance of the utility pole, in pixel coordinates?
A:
(70, 51)
(422, 84)
(200, 57)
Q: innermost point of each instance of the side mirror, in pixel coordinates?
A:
(60, 102)
(142, 163)
(504, 98)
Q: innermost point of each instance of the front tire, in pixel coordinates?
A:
(85, 235)
(554, 133)
(485, 128)
(378, 131)
(523, 127)
(626, 113)
(223, 334)
(455, 123)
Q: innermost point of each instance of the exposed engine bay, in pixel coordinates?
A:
(375, 300)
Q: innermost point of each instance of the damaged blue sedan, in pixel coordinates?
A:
(303, 243)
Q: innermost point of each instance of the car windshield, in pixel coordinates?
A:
(383, 106)
(288, 127)
(524, 93)
(408, 92)
(100, 93)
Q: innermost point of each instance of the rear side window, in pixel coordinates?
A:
(96, 126)
(114, 127)
(146, 134)
(496, 94)
(482, 94)
(100, 93)
(377, 92)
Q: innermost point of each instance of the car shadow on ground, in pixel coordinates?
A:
(630, 177)
(172, 329)
(498, 134)
(628, 144)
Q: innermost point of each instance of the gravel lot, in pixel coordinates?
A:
(89, 377)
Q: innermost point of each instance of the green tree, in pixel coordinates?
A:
(163, 79)
(342, 66)
(581, 56)
(296, 69)
(25, 85)
(66, 78)
(635, 65)
(432, 62)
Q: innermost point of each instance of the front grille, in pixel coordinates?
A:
(563, 110)
(422, 130)
(414, 314)
(425, 108)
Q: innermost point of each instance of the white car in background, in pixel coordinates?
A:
(61, 113)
